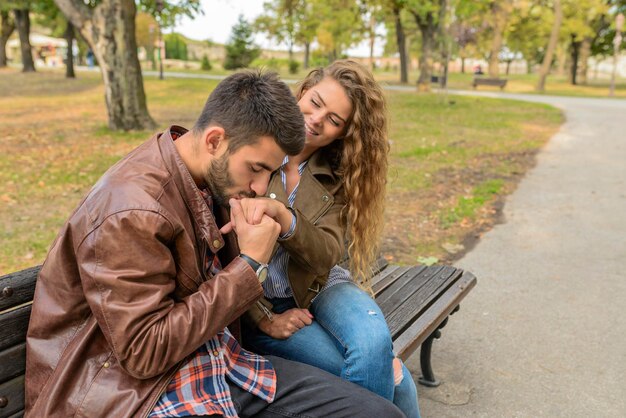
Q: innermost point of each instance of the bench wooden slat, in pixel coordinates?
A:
(14, 324)
(387, 278)
(399, 317)
(17, 288)
(13, 391)
(427, 323)
(12, 362)
(396, 290)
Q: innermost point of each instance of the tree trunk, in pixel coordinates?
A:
(401, 41)
(22, 22)
(307, 53)
(427, 31)
(585, 53)
(109, 29)
(554, 37)
(508, 67)
(574, 51)
(462, 65)
(6, 29)
(69, 60)
(428, 26)
(500, 15)
(561, 60)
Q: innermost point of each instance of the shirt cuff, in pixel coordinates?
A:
(292, 228)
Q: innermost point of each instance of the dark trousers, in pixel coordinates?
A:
(305, 391)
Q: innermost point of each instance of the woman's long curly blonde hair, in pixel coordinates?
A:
(360, 159)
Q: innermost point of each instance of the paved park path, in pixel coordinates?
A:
(543, 334)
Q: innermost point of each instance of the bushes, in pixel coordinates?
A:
(205, 65)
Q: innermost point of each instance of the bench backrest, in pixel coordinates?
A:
(16, 295)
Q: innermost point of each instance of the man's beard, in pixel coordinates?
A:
(218, 180)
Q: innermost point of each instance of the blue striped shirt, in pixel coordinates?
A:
(277, 283)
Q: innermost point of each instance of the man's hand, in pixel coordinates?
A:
(255, 240)
(284, 325)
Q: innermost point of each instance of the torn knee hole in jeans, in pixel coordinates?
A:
(372, 313)
(397, 371)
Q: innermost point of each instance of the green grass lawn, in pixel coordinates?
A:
(452, 158)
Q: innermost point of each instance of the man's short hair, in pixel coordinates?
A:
(252, 104)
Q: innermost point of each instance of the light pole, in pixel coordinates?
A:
(617, 42)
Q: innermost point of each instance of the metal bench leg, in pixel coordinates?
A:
(428, 377)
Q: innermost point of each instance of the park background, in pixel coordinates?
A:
(453, 158)
(541, 334)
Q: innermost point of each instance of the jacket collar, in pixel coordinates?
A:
(320, 166)
(196, 204)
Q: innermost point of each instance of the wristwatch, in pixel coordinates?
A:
(260, 269)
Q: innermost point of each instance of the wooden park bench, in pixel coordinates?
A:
(482, 81)
(416, 302)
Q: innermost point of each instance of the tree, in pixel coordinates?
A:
(21, 14)
(146, 32)
(554, 37)
(49, 15)
(281, 20)
(109, 29)
(374, 15)
(240, 50)
(428, 15)
(341, 26)
(7, 26)
(464, 36)
(205, 64)
(500, 12)
(582, 21)
(527, 32)
(175, 46)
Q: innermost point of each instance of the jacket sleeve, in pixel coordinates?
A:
(128, 275)
(319, 246)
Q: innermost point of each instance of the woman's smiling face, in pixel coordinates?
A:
(326, 109)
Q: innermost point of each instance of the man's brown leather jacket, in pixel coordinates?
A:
(123, 297)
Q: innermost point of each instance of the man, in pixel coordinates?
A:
(131, 307)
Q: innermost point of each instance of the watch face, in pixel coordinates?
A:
(262, 274)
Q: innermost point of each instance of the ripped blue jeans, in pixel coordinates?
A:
(349, 338)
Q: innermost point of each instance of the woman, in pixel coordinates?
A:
(331, 194)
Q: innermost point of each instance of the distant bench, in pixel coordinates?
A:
(416, 302)
(482, 81)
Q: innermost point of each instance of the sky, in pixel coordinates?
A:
(220, 16)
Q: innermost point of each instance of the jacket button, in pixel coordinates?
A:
(273, 195)
(106, 365)
(325, 198)
(217, 243)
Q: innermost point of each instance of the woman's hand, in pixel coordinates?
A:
(284, 325)
(255, 208)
